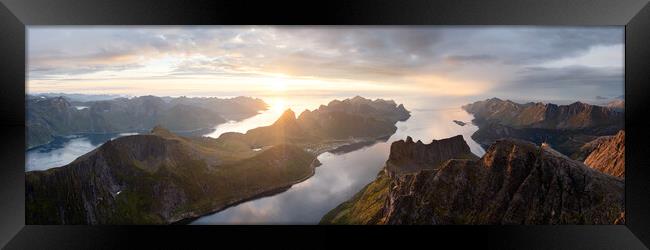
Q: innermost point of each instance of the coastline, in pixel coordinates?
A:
(272, 191)
(283, 188)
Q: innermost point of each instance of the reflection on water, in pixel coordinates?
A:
(277, 105)
(341, 175)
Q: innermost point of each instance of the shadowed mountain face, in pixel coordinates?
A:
(565, 127)
(162, 178)
(339, 123)
(159, 178)
(515, 182)
(57, 116)
(408, 156)
(608, 156)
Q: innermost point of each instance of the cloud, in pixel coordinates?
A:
(576, 75)
(575, 82)
(485, 58)
(470, 58)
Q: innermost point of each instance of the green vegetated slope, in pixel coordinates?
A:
(162, 178)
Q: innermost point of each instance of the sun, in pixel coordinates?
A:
(278, 84)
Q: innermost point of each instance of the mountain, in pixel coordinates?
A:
(57, 116)
(585, 150)
(406, 157)
(609, 155)
(515, 182)
(618, 105)
(78, 97)
(163, 178)
(160, 178)
(565, 127)
(340, 123)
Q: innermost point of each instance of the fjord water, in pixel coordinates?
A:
(64, 150)
(342, 175)
(338, 178)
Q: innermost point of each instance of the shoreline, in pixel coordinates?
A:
(271, 192)
(281, 189)
(139, 131)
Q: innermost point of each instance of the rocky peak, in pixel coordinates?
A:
(514, 183)
(287, 117)
(408, 156)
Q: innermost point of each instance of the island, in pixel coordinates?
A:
(48, 116)
(164, 178)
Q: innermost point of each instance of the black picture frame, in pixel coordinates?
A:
(15, 15)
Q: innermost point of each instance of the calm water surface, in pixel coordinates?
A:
(341, 175)
(338, 178)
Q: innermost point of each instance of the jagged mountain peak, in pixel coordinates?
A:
(408, 156)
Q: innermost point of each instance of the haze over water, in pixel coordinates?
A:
(341, 175)
(338, 178)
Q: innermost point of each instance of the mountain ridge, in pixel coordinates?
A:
(566, 127)
(515, 182)
(164, 178)
(49, 117)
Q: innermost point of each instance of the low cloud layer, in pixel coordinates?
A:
(536, 62)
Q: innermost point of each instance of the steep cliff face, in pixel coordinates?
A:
(408, 156)
(515, 182)
(159, 178)
(609, 155)
(565, 127)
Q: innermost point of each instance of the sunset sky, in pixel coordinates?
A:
(537, 63)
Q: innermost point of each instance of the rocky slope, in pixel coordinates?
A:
(565, 127)
(162, 178)
(515, 182)
(159, 178)
(408, 156)
(609, 155)
(48, 117)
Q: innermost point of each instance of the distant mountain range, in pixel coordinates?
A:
(565, 127)
(515, 182)
(48, 117)
(163, 178)
(73, 97)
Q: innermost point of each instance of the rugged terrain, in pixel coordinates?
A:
(608, 156)
(515, 182)
(159, 178)
(163, 178)
(340, 123)
(566, 127)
